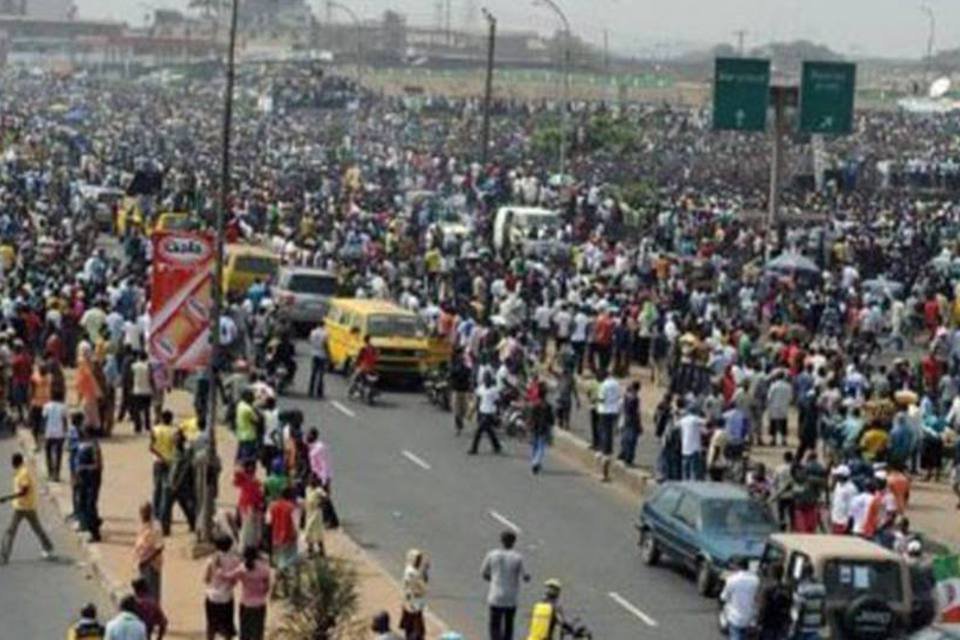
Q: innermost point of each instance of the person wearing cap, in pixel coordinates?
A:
(88, 627)
(547, 616)
(843, 493)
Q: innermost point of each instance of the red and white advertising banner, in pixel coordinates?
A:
(181, 299)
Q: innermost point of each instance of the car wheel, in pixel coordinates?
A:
(649, 550)
(705, 580)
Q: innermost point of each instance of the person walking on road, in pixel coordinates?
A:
(739, 598)
(488, 396)
(416, 575)
(318, 366)
(632, 428)
(547, 616)
(503, 568)
(148, 552)
(460, 377)
(610, 396)
(127, 625)
(218, 604)
(541, 424)
(24, 499)
(54, 415)
(254, 578)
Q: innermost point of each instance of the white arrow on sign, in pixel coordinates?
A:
(827, 122)
(739, 116)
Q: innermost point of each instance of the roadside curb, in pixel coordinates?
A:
(54, 494)
(636, 481)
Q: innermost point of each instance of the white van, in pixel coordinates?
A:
(513, 226)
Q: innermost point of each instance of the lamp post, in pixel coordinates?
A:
(205, 531)
(488, 90)
(550, 4)
(356, 21)
(932, 18)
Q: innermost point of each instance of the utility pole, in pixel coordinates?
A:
(932, 18)
(565, 114)
(488, 91)
(741, 35)
(448, 23)
(606, 51)
(205, 531)
(781, 97)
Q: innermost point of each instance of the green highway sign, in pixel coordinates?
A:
(741, 91)
(826, 97)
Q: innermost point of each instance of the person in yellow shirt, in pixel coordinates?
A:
(163, 443)
(88, 627)
(873, 442)
(24, 499)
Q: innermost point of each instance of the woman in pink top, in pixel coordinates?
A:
(254, 578)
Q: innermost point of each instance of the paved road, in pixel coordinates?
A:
(39, 599)
(402, 480)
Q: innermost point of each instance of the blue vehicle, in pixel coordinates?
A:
(704, 526)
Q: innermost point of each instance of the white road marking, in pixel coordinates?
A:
(415, 460)
(502, 520)
(342, 409)
(623, 602)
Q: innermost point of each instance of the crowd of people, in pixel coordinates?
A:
(851, 332)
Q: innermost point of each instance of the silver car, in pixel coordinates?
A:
(301, 295)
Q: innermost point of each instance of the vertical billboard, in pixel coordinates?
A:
(181, 299)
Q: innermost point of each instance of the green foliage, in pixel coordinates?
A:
(323, 603)
(606, 133)
(545, 141)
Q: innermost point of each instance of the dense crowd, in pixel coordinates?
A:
(847, 323)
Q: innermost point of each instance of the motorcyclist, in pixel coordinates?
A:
(366, 365)
(283, 353)
(547, 616)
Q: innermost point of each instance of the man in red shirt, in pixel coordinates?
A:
(283, 538)
(603, 340)
(21, 370)
(366, 364)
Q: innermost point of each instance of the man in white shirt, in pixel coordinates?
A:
(739, 599)
(318, 349)
(842, 500)
(608, 409)
(488, 398)
(691, 432)
(859, 509)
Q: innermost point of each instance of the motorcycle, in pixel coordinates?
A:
(437, 388)
(282, 377)
(574, 629)
(366, 387)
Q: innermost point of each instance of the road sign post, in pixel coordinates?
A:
(826, 97)
(740, 94)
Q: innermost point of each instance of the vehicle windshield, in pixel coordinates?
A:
(260, 265)
(383, 326)
(737, 517)
(321, 285)
(850, 579)
(536, 221)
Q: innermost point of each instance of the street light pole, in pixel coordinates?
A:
(930, 35)
(488, 91)
(565, 115)
(205, 531)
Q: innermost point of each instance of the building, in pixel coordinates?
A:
(50, 9)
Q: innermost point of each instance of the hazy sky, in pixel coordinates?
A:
(875, 27)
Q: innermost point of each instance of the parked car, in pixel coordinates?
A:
(937, 632)
(302, 295)
(868, 592)
(703, 525)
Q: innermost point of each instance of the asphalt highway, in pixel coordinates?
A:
(40, 598)
(402, 480)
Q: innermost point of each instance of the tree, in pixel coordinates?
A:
(323, 603)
